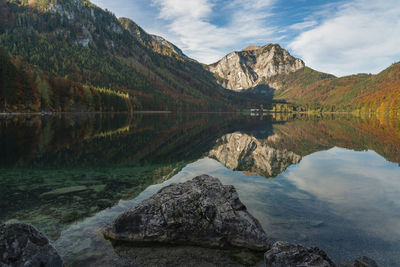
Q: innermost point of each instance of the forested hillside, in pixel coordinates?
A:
(80, 43)
(22, 89)
(312, 90)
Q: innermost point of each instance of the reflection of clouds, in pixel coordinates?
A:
(362, 187)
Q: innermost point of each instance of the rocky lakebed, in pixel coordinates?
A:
(201, 213)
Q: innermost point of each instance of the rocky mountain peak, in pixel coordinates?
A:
(246, 69)
(252, 47)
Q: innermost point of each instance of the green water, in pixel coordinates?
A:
(333, 182)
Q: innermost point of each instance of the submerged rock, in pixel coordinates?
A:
(283, 254)
(198, 212)
(364, 262)
(22, 244)
(184, 256)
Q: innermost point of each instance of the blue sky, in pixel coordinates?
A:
(339, 37)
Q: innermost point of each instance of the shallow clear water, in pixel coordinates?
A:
(331, 182)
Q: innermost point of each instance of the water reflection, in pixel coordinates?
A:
(69, 175)
(361, 187)
(59, 169)
(252, 156)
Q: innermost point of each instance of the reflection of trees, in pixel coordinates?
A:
(25, 138)
(310, 135)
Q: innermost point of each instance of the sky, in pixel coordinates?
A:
(339, 37)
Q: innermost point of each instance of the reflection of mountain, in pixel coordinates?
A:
(250, 155)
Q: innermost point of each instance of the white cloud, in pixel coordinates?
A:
(171, 9)
(189, 26)
(303, 25)
(361, 36)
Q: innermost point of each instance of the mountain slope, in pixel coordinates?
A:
(299, 79)
(242, 70)
(153, 42)
(362, 92)
(78, 41)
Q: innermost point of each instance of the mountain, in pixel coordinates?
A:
(273, 71)
(251, 67)
(83, 45)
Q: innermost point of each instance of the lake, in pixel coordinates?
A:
(329, 181)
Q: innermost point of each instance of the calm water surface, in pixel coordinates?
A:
(333, 182)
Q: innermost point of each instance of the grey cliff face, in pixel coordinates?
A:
(238, 151)
(198, 212)
(250, 67)
(283, 254)
(22, 244)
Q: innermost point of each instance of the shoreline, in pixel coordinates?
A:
(78, 113)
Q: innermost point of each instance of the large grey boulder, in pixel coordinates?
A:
(22, 244)
(198, 212)
(283, 254)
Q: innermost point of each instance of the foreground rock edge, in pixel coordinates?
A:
(22, 244)
(284, 254)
